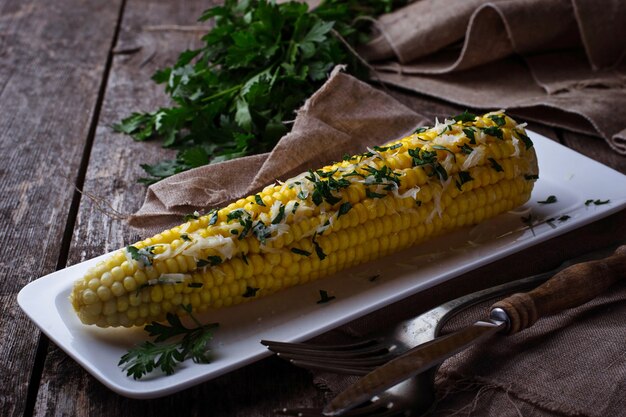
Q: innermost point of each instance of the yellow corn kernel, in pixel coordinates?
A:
(377, 203)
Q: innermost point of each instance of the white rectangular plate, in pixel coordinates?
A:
(569, 176)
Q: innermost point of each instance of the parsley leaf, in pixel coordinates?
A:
(302, 252)
(494, 131)
(148, 356)
(250, 292)
(259, 200)
(465, 117)
(498, 120)
(597, 202)
(324, 297)
(495, 165)
(257, 64)
(144, 255)
(550, 200)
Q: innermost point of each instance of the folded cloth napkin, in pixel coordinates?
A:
(569, 364)
(344, 116)
(575, 360)
(560, 62)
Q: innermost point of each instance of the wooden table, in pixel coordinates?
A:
(68, 69)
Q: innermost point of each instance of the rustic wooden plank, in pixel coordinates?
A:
(52, 60)
(152, 34)
(156, 32)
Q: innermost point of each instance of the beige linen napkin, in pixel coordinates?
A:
(569, 364)
(344, 116)
(560, 62)
(575, 360)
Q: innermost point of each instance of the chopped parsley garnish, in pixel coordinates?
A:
(250, 292)
(372, 194)
(234, 231)
(324, 297)
(597, 202)
(243, 218)
(318, 249)
(466, 149)
(550, 200)
(209, 261)
(495, 165)
(443, 148)
(295, 207)
(213, 218)
(525, 139)
(464, 177)
(300, 252)
(344, 208)
(259, 230)
(387, 148)
(470, 133)
(259, 200)
(303, 194)
(185, 237)
(421, 129)
(353, 173)
(323, 188)
(144, 255)
(384, 175)
(494, 131)
(193, 216)
(561, 219)
(428, 158)
(323, 174)
(498, 120)
(191, 344)
(280, 215)
(465, 117)
(235, 214)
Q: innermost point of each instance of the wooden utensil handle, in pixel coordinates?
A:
(568, 288)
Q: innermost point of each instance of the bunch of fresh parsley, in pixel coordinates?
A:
(258, 64)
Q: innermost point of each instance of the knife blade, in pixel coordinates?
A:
(571, 287)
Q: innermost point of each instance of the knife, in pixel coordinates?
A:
(571, 287)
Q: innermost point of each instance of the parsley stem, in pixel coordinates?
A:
(223, 93)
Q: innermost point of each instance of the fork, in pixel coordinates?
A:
(361, 357)
(414, 396)
(411, 397)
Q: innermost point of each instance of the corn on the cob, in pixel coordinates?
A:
(454, 174)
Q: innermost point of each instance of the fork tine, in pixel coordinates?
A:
(373, 360)
(364, 352)
(286, 346)
(338, 369)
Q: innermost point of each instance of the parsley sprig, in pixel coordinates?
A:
(257, 65)
(191, 344)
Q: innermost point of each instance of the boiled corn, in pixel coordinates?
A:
(454, 174)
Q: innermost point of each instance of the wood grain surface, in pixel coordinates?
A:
(52, 60)
(68, 70)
